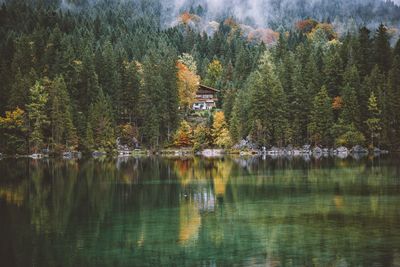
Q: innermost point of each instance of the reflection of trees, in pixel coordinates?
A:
(92, 213)
(189, 222)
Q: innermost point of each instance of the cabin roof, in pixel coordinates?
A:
(204, 87)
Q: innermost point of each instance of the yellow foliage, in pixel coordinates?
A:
(188, 84)
(220, 131)
(15, 118)
(184, 135)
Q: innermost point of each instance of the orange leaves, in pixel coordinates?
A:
(267, 35)
(186, 17)
(310, 27)
(337, 103)
(184, 135)
(188, 83)
(306, 25)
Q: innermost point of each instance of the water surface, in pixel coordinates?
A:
(200, 212)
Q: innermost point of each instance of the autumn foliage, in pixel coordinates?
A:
(188, 83)
(337, 103)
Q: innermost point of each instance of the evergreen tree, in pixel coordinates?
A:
(321, 119)
(333, 71)
(37, 115)
(393, 104)
(364, 52)
(350, 113)
(374, 119)
(382, 50)
(102, 124)
(63, 131)
(267, 111)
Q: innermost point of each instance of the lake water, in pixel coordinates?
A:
(200, 212)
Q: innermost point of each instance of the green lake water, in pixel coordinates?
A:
(200, 212)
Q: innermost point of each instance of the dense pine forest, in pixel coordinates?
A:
(77, 75)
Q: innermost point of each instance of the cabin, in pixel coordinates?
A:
(206, 98)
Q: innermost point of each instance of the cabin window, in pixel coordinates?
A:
(207, 96)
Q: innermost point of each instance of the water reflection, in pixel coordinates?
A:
(193, 211)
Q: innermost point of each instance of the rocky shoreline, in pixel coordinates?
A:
(246, 150)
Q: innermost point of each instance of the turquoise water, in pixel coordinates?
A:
(200, 212)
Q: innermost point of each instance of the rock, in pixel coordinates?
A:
(98, 154)
(273, 151)
(209, 153)
(67, 155)
(376, 150)
(306, 149)
(342, 150)
(36, 156)
(359, 150)
(317, 150)
(244, 144)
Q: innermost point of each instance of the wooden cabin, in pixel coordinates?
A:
(206, 98)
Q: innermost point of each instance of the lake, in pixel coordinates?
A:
(200, 212)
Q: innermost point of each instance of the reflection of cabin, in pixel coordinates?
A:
(206, 98)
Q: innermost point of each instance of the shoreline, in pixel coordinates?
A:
(208, 153)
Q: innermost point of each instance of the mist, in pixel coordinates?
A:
(261, 13)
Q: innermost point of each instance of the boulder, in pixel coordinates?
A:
(359, 150)
(317, 150)
(342, 150)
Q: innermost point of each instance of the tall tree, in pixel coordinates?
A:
(374, 119)
(188, 83)
(63, 131)
(321, 119)
(102, 124)
(37, 115)
(382, 50)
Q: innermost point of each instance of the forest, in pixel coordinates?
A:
(77, 77)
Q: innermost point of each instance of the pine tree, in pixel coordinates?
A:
(364, 52)
(37, 115)
(393, 104)
(333, 71)
(102, 123)
(267, 102)
(374, 119)
(350, 113)
(63, 131)
(19, 95)
(382, 50)
(321, 119)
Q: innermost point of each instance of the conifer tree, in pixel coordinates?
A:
(37, 115)
(382, 50)
(63, 131)
(102, 124)
(321, 120)
(374, 119)
(393, 104)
